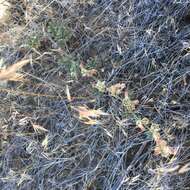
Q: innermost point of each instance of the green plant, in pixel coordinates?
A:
(59, 32)
(91, 63)
(70, 64)
(34, 41)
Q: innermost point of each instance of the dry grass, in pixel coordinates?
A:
(4, 11)
(106, 102)
(10, 73)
